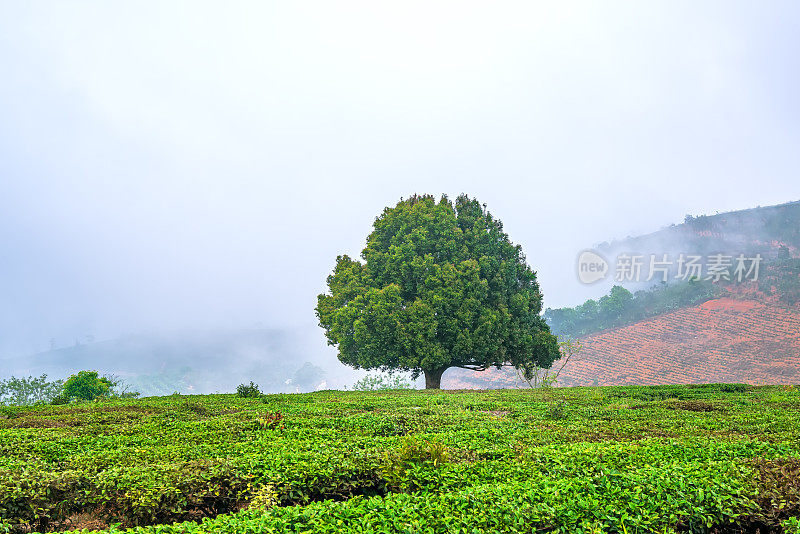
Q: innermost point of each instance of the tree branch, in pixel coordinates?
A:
(481, 367)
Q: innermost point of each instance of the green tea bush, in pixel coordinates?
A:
(408, 467)
(791, 525)
(733, 388)
(778, 482)
(624, 460)
(393, 426)
(10, 412)
(264, 497)
(557, 410)
(271, 421)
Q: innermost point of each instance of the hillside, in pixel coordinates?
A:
(757, 230)
(771, 232)
(186, 362)
(721, 340)
(674, 459)
(688, 331)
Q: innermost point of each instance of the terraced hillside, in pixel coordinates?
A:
(661, 459)
(722, 340)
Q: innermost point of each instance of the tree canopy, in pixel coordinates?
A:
(87, 385)
(440, 286)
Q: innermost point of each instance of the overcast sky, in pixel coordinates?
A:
(171, 165)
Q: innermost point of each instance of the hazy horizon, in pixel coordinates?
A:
(181, 166)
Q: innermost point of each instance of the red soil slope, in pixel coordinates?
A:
(723, 340)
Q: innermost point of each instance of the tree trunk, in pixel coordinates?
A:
(433, 378)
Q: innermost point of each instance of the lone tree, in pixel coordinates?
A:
(440, 286)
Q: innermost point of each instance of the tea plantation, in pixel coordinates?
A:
(716, 458)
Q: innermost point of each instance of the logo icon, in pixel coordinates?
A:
(591, 267)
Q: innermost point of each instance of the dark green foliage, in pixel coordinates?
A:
(651, 393)
(733, 388)
(195, 408)
(440, 285)
(87, 386)
(781, 277)
(778, 483)
(59, 399)
(394, 426)
(557, 410)
(9, 412)
(621, 307)
(248, 391)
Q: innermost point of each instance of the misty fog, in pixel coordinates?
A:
(177, 181)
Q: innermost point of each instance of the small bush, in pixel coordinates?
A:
(9, 412)
(194, 408)
(692, 406)
(248, 391)
(382, 382)
(270, 421)
(733, 388)
(393, 426)
(119, 388)
(408, 467)
(59, 400)
(557, 410)
(778, 482)
(264, 497)
(790, 526)
(87, 386)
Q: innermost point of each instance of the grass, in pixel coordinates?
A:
(615, 459)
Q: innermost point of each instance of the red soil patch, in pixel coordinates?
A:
(729, 304)
(723, 340)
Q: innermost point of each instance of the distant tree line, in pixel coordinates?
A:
(80, 387)
(621, 307)
(29, 390)
(781, 277)
(774, 223)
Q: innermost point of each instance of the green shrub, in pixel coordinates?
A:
(270, 421)
(60, 400)
(791, 525)
(393, 426)
(557, 410)
(87, 386)
(9, 412)
(733, 388)
(264, 497)
(248, 391)
(120, 389)
(408, 468)
(349, 462)
(778, 482)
